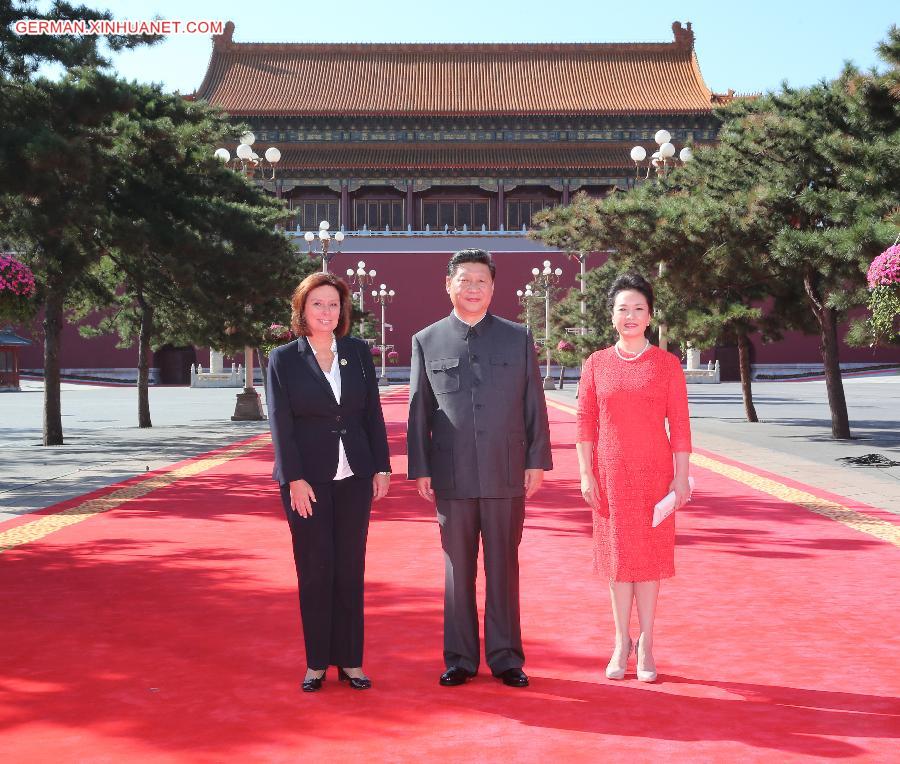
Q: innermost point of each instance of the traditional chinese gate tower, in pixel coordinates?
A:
(419, 150)
(447, 136)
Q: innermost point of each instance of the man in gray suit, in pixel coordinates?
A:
(478, 443)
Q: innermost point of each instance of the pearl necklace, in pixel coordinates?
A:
(638, 355)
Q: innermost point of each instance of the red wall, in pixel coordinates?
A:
(421, 296)
(418, 279)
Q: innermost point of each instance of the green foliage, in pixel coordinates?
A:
(787, 209)
(186, 237)
(884, 303)
(772, 228)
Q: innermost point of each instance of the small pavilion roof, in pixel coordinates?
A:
(8, 338)
(361, 79)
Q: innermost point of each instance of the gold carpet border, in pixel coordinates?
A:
(852, 518)
(47, 524)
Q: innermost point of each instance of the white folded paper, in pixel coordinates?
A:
(666, 505)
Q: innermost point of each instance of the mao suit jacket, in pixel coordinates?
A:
(307, 422)
(477, 413)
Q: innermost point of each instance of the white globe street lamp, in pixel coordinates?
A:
(248, 161)
(325, 238)
(249, 406)
(546, 277)
(661, 158)
(363, 278)
(383, 295)
(659, 162)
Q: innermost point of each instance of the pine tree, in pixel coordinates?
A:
(54, 163)
(193, 254)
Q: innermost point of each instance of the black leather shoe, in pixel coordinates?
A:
(455, 676)
(513, 677)
(314, 684)
(357, 684)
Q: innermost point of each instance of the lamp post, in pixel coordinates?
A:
(525, 297)
(324, 238)
(546, 278)
(659, 162)
(248, 407)
(383, 295)
(363, 279)
(248, 161)
(581, 257)
(661, 159)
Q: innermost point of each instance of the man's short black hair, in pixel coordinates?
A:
(471, 256)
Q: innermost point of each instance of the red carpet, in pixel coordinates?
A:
(167, 630)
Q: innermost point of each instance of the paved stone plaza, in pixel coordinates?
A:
(104, 445)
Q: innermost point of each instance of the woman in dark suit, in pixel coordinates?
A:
(331, 461)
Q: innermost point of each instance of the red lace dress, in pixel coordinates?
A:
(622, 409)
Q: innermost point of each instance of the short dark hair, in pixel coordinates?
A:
(630, 281)
(298, 302)
(471, 256)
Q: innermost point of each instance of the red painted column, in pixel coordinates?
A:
(501, 207)
(410, 205)
(345, 205)
(565, 193)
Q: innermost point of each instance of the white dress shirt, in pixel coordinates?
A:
(333, 375)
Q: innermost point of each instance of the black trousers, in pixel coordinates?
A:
(330, 557)
(499, 522)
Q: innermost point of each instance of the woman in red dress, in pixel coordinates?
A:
(626, 395)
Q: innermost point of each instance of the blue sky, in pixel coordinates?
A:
(750, 46)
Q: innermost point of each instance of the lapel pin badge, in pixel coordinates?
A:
(343, 361)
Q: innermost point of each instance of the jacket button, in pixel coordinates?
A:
(338, 418)
(343, 432)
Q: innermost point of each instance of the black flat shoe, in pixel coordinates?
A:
(513, 677)
(357, 684)
(455, 676)
(314, 684)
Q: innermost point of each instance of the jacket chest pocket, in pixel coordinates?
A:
(504, 371)
(443, 374)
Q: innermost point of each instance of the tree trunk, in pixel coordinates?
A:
(827, 318)
(144, 363)
(53, 320)
(746, 389)
(834, 383)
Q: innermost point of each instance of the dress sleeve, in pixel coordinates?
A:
(677, 409)
(587, 403)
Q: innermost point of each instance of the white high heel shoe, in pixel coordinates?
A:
(642, 675)
(615, 672)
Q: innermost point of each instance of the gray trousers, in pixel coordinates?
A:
(499, 522)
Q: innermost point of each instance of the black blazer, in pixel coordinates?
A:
(307, 422)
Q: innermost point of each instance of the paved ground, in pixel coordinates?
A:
(103, 445)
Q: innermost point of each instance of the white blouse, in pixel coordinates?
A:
(333, 376)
